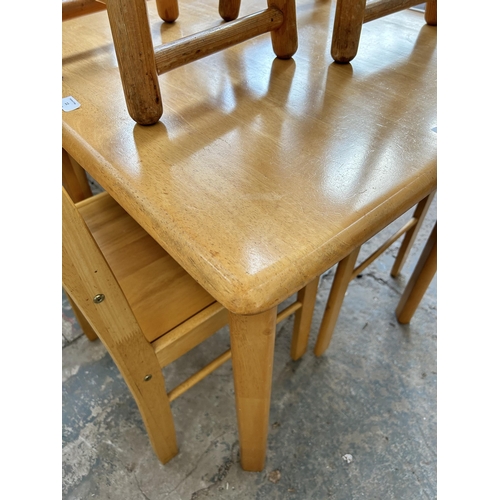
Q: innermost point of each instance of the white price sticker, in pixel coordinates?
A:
(70, 103)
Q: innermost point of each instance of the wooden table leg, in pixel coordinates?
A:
(340, 282)
(419, 281)
(252, 348)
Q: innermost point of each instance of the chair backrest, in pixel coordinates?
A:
(350, 15)
(140, 62)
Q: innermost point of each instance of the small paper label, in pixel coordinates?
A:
(70, 103)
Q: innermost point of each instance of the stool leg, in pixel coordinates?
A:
(431, 17)
(229, 9)
(419, 281)
(252, 349)
(285, 39)
(340, 282)
(347, 26)
(136, 59)
(303, 319)
(168, 10)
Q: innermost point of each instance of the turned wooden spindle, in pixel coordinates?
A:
(350, 15)
(168, 10)
(140, 62)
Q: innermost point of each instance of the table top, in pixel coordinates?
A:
(261, 173)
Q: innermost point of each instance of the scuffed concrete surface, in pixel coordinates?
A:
(371, 396)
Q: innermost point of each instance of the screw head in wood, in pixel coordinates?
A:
(148, 377)
(99, 298)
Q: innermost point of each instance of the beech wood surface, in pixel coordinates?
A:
(264, 173)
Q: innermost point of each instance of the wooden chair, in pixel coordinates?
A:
(346, 272)
(351, 14)
(140, 63)
(145, 308)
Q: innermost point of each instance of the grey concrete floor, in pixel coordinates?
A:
(371, 396)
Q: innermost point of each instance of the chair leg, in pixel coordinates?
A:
(229, 9)
(419, 214)
(74, 179)
(347, 26)
(419, 281)
(93, 286)
(168, 10)
(303, 319)
(139, 366)
(136, 59)
(82, 320)
(337, 292)
(431, 17)
(252, 348)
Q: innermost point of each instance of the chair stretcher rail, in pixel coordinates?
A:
(384, 247)
(381, 8)
(191, 48)
(220, 360)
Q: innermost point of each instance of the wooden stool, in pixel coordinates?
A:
(140, 63)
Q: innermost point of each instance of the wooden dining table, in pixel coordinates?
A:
(262, 173)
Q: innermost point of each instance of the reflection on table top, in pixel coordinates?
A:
(262, 173)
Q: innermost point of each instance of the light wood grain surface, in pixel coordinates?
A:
(262, 173)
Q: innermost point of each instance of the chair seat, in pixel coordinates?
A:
(161, 294)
